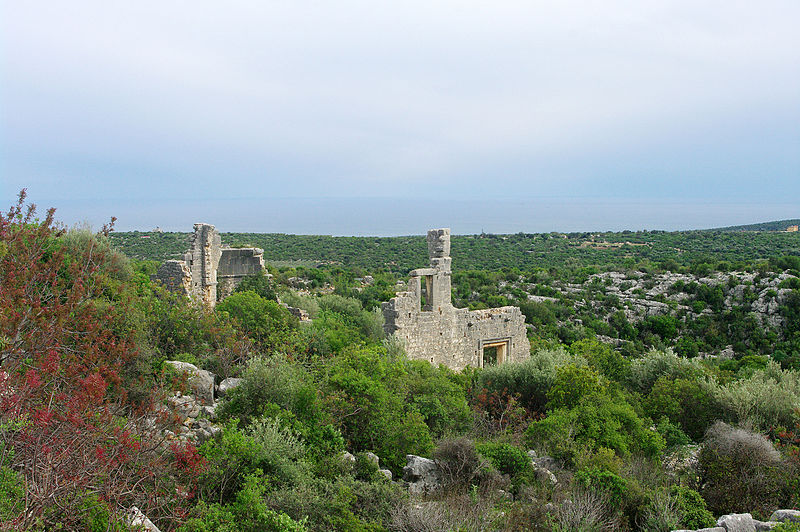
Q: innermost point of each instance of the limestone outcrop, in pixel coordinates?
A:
(423, 317)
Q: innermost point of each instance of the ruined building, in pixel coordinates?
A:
(209, 270)
(432, 329)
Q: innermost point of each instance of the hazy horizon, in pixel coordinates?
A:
(403, 216)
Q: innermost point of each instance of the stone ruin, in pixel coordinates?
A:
(431, 328)
(208, 270)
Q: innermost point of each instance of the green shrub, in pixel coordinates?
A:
(247, 513)
(601, 421)
(509, 460)
(530, 379)
(572, 384)
(691, 404)
(266, 322)
(602, 357)
(692, 507)
(611, 484)
(767, 399)
(12, 494)
(645, 371)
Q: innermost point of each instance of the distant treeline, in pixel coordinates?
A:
(524, 251)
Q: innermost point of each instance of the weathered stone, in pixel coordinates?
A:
(209, 411)
(784, 516)
(737, 523)
(373, 458)
(207, 268)
(431, 328)
(227, 385)
(139, 521)
(347, 460)
(386, 473)
(422, 475)
(201, 381)
(545, 477)
(765, 525)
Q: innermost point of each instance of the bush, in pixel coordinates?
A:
(611, 484)
(691, 404)
(693, 511)
(599, 422)
(644, 372)
(509, 460)
(767, 399)
(458, 461)
(266, 322)
(741, 472)
(572, 384)
(247, 513)
(530, 379)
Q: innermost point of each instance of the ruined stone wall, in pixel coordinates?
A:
(175, 276)
(423, 317)
(208, 270)
(234, 265)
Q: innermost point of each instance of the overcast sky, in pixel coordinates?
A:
(106, 106)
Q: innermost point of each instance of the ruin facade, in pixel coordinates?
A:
(431, 328)
(209, 270)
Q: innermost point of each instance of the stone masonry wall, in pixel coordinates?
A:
(207, 268)
(432, 329)
(234, 265)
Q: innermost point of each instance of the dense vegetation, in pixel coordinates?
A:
(638, 431)
(490, 252)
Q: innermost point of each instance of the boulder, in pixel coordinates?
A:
(347, 460)
(227, 385)
(737, 523)
(784, 516)
(201, 381)
(386, 473)
(422, 475)
(139, 521)
(373, 458)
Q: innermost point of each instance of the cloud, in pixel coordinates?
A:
(203, 100)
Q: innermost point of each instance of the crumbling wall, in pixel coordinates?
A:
(208, 270)
(234, 265)
(431, 328)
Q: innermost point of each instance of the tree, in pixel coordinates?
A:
(66, 424)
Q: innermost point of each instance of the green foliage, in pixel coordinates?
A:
(366, 395)
(12, 490)
(438, 394)
(530, 379)
(768, 399)
(572, 385)
(601, 357)
(259, 284)
(600, 421)
(266, 322)
(509, 460)
(692, 404)
(604, 481)
(692, 507)
(248, 512)
(644, 372)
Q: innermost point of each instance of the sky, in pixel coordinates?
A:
(364, 117)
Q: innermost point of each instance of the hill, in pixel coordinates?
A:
(779, 225)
